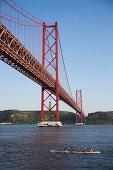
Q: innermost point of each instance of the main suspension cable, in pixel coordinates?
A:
(30, 14)
(16, 18)
(22, 13)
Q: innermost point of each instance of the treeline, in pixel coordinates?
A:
(33, 117)
(100, 118)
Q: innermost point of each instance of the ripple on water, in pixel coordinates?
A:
(28, 147)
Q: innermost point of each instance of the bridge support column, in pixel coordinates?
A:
(76, 117)
(79, 103)
(76, 103)
(50, 60)
(57, 88)
(43, 63)
(42, 104)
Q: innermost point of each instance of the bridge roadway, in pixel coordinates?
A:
(17, 56)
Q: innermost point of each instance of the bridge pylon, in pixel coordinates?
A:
(79, 103)
(50, 59)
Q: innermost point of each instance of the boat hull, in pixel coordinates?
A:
(76, 152)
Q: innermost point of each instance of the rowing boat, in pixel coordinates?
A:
(86, 152)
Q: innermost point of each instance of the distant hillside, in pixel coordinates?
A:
(33, 117)
(100, 118)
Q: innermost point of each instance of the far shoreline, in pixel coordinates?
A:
(5, 123)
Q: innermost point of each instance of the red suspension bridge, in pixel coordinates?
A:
(23, 38)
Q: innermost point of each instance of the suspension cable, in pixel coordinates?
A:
(29, 13)
(20, 23)
(64, 66)
(17, 18)
(22, 13)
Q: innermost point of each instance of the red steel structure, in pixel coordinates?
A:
(17, 55)
(79, 103)
(55, 58)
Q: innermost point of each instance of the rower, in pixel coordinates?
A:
(85, 150)
(91, 150)
(72, 149)
(66, 149)
(79, 150)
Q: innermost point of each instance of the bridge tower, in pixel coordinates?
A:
(50, 32)
(79, 103)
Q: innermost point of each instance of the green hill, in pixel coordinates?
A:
(100, 118)
(33, 117)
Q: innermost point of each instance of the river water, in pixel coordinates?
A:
(28, 147)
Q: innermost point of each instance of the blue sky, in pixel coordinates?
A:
(86, 33)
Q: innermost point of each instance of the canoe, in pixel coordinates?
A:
(88, 152)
